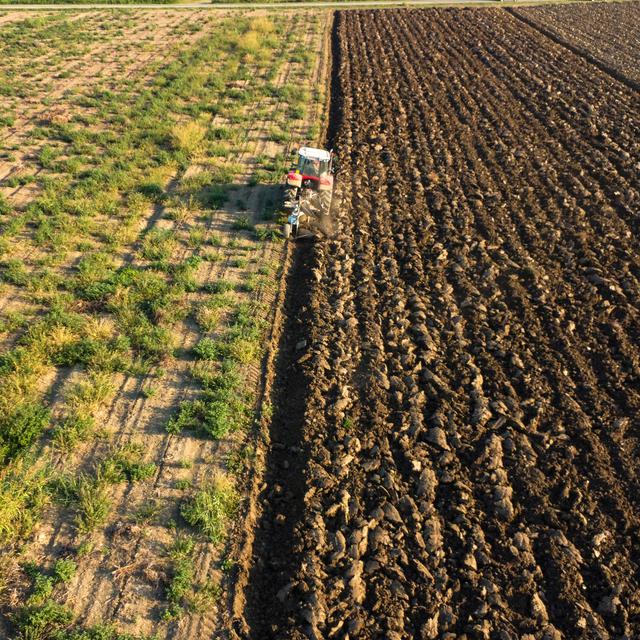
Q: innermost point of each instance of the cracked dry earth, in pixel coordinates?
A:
(456, 443)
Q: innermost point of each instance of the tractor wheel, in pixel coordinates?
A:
(291, 194)
(325, 202)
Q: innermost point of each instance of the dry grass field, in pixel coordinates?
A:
(139, 265)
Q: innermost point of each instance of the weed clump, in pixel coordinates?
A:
(262, 25)
(14, 272)
(125, 464)
(189, 137)
(87, 493)
(249, 42)
(210, 509)
(39, 622)
(20, 427)
(158, 244)
(207, 349)
(23, 495)
(182, 594)
(209, 313)
(40, 618)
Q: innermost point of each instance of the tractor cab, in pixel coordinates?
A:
(312, 171)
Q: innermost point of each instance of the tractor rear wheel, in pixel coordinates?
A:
(325, 202)
(291, 195)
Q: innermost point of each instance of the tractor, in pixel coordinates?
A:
(309, 192)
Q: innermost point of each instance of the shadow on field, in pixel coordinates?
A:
(274, 562)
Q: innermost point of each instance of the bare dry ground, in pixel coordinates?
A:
(139, 271)
(456, 416)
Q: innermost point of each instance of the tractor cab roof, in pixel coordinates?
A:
(314, 154)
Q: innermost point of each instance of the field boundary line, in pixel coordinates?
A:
(261, 439)
(579, 51)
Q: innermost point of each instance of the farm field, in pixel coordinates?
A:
(455, 430)
(139, 274)
(608, 35)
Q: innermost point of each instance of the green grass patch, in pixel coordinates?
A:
(210, 508)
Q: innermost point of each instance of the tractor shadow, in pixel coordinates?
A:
(282, 497)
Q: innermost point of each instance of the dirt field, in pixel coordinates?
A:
(427, 429)
(607, 35)
(455, 432)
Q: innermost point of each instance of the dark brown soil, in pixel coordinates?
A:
(457, 416)
(606, 34)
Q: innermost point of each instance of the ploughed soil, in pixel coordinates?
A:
(455, 427)
(608, 35)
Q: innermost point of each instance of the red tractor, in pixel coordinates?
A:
(309, 191)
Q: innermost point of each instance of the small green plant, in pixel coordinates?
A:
(242, 223)
(188, 137)
(64, 570)
(14, 272)
(147, 512)
(196, 238)
(72, 430)
(222, 407)
(219, 286)
(267, 234)
(47, 157)
(158, 244)
(187, 418)
(205, 596)
(240, 459)
(20, 427)
(93, 505)
(181, 577)
(149, 392)
(41, 617)
(207, 349)
(209, 312)
(250, 42)
(125, 464)
(87, 494)
(23, 495)
(40, 622)
(278, 135)
(251, 283)
(262, 25)
(5, 207)
(210, 509)
(239, 263)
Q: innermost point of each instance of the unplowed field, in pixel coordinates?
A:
(139, 156)
(456, 431)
